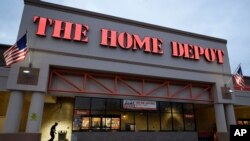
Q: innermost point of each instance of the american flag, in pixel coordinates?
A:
(238, 78)
(17, 52)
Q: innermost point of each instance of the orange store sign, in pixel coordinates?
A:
(196, 52)
(124, 40)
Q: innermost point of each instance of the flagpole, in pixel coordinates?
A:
(233, 74)
(29, 52)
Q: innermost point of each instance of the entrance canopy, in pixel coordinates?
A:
(117, 85)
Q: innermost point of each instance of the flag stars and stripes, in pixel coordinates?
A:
(17, 52)
(238, 77)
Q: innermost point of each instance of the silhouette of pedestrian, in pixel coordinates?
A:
(53, 131)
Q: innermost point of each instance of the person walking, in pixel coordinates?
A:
(53, 131)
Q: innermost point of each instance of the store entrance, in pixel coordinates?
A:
(98, 118)
(100, 122)
(109, 114)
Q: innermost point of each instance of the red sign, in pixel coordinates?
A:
(125, 40)
(82, 112)
(62, 29)
(195, 52)
(188, 115)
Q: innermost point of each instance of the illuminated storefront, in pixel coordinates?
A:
(110, 115)
(107, 78)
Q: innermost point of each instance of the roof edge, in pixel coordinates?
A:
(48, 5)
(5, 45)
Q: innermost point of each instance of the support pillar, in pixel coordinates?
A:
(222, 134)
(35, 113)
(229, 108)
(220, 118)
(14, 111)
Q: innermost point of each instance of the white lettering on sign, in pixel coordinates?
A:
(139, 105)
(239, 132)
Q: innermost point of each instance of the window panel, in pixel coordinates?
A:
(77, 122)
(188, 108)
(165, 107)
(113, 104)
(96, 123)
(153, 121)
(166, 121)
(82, 103)
(106, 123)
(113, 113)
(97, 113)
(141, 121)
(178, 122)
(115, 123)
(98, 104)
(127, 121)
(189, 122)
(177, 108)
(85, 123)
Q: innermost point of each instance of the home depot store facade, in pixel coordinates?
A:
(92, 66)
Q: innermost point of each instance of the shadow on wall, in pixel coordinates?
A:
(60, 112)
